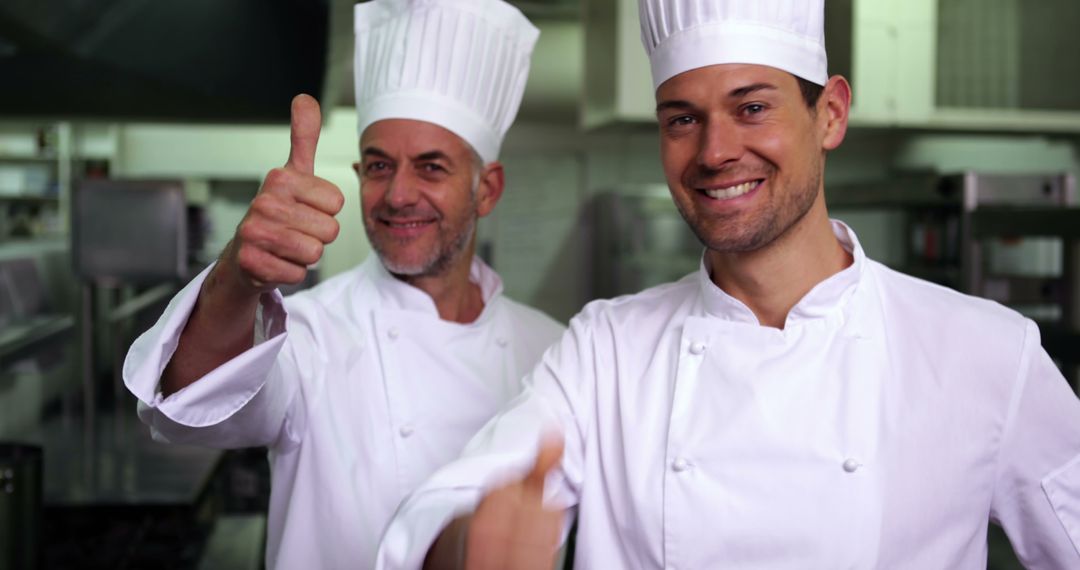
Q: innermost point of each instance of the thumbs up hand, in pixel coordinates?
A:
(291, 219)
(511, 529)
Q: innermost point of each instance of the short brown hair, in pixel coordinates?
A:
(811, 91)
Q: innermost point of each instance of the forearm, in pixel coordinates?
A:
(448, 550)
(221, 327)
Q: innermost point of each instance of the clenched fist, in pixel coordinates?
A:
(292, 217)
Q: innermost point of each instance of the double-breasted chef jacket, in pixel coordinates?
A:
(880, 428)
(359, 391)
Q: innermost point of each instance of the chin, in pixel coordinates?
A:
(400, 266)
(735, 242)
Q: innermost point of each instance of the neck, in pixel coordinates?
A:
(771, 280)
(457, 298)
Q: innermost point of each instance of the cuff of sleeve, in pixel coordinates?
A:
(412, 532)
(1062, 488)
(223, 391)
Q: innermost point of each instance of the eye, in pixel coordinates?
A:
(752, 109)
(432, 168)
(376, 166)
(681, 120)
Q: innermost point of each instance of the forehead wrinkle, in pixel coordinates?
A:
(433, 155)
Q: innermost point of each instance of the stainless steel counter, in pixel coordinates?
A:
(116, 463)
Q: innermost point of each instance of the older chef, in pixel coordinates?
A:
(365, 385)
(790, 405)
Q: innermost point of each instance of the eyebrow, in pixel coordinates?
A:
(673, 104)
(430, 155)
(434, 155)
(376, 151)
(737, 93)
(744, 91)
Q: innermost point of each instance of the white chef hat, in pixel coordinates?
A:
(680, 35)
(460, 64)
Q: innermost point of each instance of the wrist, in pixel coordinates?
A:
(449, 550)
(227, 282)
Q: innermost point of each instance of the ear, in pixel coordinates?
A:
(492, 182)
(834, 107)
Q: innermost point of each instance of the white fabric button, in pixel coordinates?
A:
(851, 465)
(697, 348)
(393, 333)
(680, 465)
(406, 430)
(501, 341)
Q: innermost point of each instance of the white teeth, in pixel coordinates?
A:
(731, 192)
(408, 225)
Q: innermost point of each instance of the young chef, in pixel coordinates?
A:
(792, 404)
(366, 384)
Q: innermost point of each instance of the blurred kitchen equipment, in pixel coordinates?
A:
(123, 232)
(130, 230)
(1012, 238)
(20, 506)
(640, 240)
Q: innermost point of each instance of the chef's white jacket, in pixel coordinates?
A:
(360, 392)
(881, 428)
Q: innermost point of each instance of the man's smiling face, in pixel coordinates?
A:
(743, 154)
(418, 190)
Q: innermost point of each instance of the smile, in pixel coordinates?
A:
(731, 191)
(407, 225)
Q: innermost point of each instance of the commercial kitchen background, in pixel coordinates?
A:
(943, 89)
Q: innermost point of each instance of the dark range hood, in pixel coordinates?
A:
(192, 60)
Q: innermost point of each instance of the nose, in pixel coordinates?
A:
(719, 145)
(402, 190)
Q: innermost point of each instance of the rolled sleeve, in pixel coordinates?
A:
(219, 397)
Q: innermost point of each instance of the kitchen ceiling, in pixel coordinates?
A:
(58, 41)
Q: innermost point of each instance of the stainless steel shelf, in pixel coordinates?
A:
(115, 463)
(29, 197)
(998, 221)
(11, 158)
(19, 338)
(910, 190)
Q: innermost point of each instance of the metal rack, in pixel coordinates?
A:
(1022, 207)
(953, 224)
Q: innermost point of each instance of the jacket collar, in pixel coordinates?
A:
(395, 294)
(826, 299)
